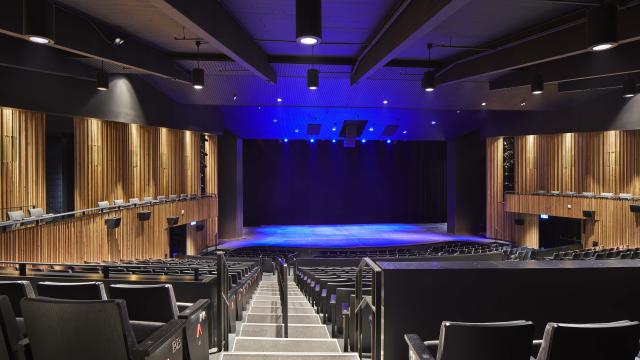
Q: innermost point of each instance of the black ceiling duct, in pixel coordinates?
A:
(39, 21)
(313, 79)
(602, 27)
(308, 22)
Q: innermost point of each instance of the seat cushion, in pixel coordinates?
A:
(143, 329)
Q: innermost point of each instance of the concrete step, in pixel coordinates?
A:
(277, 319)
(270, 345)
(288, 356)
(276, 293)
(278, 310)
(277, 331)
(292, 304)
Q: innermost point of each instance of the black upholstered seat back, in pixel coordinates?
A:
(155, 303)
(61, 329)
(16, 291)
(72, 291)
(10, 334)
(611, 341)
(486, 341)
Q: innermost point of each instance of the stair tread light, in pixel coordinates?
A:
(629, 88)
(197, 74)
(537, 85)
(313, 79)
(429, 81)
(38, 22)
(308, 22)
(602, 27)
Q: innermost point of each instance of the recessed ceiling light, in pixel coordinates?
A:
(385, 102)
(279, 99)
(39, 39)
(433, 122)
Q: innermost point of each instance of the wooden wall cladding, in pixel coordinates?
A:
(122, 161)
(211, 147)
(22, 160)
(86, 238)
(598, 162)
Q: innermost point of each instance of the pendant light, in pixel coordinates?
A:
(197, 74)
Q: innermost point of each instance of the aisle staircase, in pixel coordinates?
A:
(260, 335)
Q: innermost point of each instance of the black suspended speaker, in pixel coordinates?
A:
(635, 208)
(144, 215)
(589, 214)
(172, 220)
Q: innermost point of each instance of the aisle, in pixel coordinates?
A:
(260, 334)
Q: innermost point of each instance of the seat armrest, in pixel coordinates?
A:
(165, 343)
(23, 350)
(535, 348)
(417, 348)
(192, 309)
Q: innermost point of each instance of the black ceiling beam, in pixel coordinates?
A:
(409, 24)
(21, 54)
(562, 41)
(310, 60)
(620, 60)
(77, 34)
(605, 82)
(209, 20)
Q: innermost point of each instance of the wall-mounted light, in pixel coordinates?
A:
(38, 22)
(602, 27)
(308, 22)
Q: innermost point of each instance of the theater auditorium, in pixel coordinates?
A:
(319, 179)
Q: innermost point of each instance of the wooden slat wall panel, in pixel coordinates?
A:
(598, 162)
(22, 160)
(211, 147)
(87, 239)
(528, 233)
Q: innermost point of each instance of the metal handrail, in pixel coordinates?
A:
(222, 324)
(282, 274)
(372, 302)
(98, 210)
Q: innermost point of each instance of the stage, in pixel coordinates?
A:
(346, 236)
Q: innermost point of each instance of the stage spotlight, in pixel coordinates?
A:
(602, 27)
(197, 78)
(537, 84)
(629, 88)
(429, 81)
(313, 79)
(308, 22)
(38, 21)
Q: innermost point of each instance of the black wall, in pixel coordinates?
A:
(230, 149)
(59, 164)
(324, 183)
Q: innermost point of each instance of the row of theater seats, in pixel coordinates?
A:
(332, 292)
(79, 321)
(440, 250)
(515, 341)
(144, 307)
(597, 254)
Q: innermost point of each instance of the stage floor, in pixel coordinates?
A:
(347, 236)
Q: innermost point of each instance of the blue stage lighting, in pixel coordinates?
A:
(312, 141)
(286, 140)
(364, 141)
(388, 141)
(370, 129)
(333, 141)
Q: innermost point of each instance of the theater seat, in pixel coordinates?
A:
(611, 341)
(61, 329)
(156, 304)
(12, 344)
(16, 291)
(477, 341)
(72, 291)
